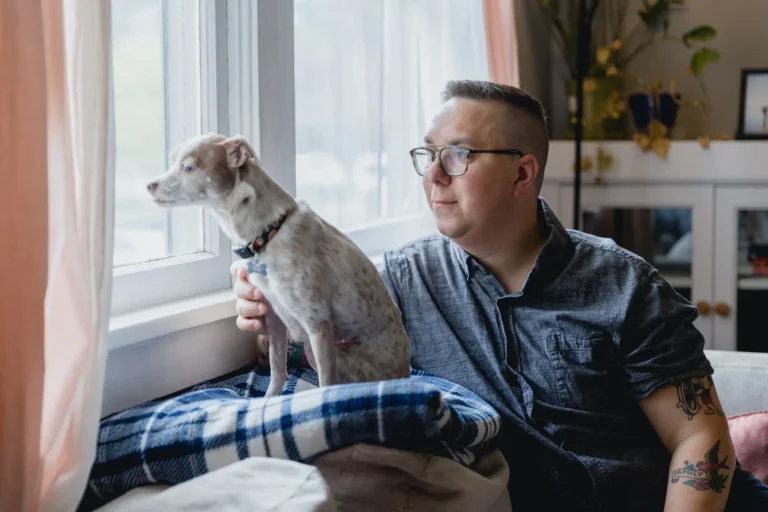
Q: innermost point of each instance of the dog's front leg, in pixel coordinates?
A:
(324, 349)
(278, 354)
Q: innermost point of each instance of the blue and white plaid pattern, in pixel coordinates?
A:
(219, 423)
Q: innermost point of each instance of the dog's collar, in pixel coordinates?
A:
(258, 244)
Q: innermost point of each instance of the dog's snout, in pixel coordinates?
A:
(152, 186)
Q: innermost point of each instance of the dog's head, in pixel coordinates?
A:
(222, 174)
(204, 170)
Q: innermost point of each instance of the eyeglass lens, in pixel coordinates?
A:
(453, 160)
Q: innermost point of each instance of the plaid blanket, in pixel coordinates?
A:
(219, 423)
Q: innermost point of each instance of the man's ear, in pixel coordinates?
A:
(527, 172)
(238, 151)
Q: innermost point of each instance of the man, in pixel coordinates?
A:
(586, 351)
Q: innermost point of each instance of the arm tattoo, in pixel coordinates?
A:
(704, 475)
(696, 394)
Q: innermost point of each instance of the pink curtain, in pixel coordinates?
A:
(501, 41)
(56, 222)
(24, 260)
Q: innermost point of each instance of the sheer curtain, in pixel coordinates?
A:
(69, 153)
(368, 81)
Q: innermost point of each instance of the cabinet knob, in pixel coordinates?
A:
(704, 307)
(722, 309)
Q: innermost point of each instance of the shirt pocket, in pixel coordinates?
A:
(583, 371)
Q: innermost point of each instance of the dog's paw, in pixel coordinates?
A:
(274, 389)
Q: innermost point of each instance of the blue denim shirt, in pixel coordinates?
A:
(595, 329)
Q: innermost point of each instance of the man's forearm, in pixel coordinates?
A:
(701, 472)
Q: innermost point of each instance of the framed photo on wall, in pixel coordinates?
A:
(753, 104)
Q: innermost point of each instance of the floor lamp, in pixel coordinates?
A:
(586, 14)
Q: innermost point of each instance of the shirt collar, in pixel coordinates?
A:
(554, 256)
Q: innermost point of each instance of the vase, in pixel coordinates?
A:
(646, 107)
(602, 96)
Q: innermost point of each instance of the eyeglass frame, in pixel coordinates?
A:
(438, 150)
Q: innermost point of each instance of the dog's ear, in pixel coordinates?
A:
(238, 151)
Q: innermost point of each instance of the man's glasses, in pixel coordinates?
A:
(453, 159)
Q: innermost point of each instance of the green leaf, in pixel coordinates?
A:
(702, 57)
(653, 15)
(701, 34)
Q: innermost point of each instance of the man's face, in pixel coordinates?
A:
(477, 200)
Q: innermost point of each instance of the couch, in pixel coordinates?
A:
(343, 480)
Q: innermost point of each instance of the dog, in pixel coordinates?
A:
(321, 288)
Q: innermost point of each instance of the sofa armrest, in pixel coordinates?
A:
(741, 379)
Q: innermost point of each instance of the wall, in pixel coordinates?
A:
(742, 41)
(534, 54)
(149, 370)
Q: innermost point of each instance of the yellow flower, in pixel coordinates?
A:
(590, 85)
(603, 54)
(656, 130)
(616, 45)
(643, 141)
(612, 71)
(661, 147)
(586, 164)
(604, 160)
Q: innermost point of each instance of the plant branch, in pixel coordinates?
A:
(642, 46)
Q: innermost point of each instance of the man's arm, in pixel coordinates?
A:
(689, 420)
(669, 375)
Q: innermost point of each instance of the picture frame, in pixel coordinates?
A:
(753, 105)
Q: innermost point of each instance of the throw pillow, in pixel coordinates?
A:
(749, 433)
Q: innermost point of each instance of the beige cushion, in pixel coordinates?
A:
(256, 484)
(360, 478)
(378, 479)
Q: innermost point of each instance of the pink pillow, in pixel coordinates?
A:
(749, 433)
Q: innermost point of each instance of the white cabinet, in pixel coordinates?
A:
(741, 285)
(670, 226)
(700, 216)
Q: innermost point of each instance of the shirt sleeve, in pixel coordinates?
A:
(661, 345)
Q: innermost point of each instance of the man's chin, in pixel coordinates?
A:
(450, 228)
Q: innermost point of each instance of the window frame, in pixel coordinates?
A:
(144, 285)
(250, 46)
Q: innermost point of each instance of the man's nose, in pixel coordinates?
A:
(436, 174)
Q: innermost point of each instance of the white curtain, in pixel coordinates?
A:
(368, 79)
(77, 135)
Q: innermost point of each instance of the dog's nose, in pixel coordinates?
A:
(152, 186)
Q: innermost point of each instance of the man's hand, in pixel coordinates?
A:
(690, 422)
(251, 305)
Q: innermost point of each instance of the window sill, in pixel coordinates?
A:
(156, 321)
(150, 323)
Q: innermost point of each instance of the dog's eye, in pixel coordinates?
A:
(245, 200)
(187, 168)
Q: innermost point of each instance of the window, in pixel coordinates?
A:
(368, 76)
(160, 98)
(331, 93)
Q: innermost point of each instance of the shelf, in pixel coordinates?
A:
(753, 283)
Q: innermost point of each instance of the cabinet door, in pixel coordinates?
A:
(741, 268)
(670, 226)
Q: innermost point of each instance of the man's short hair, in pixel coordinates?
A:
(529, 131)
